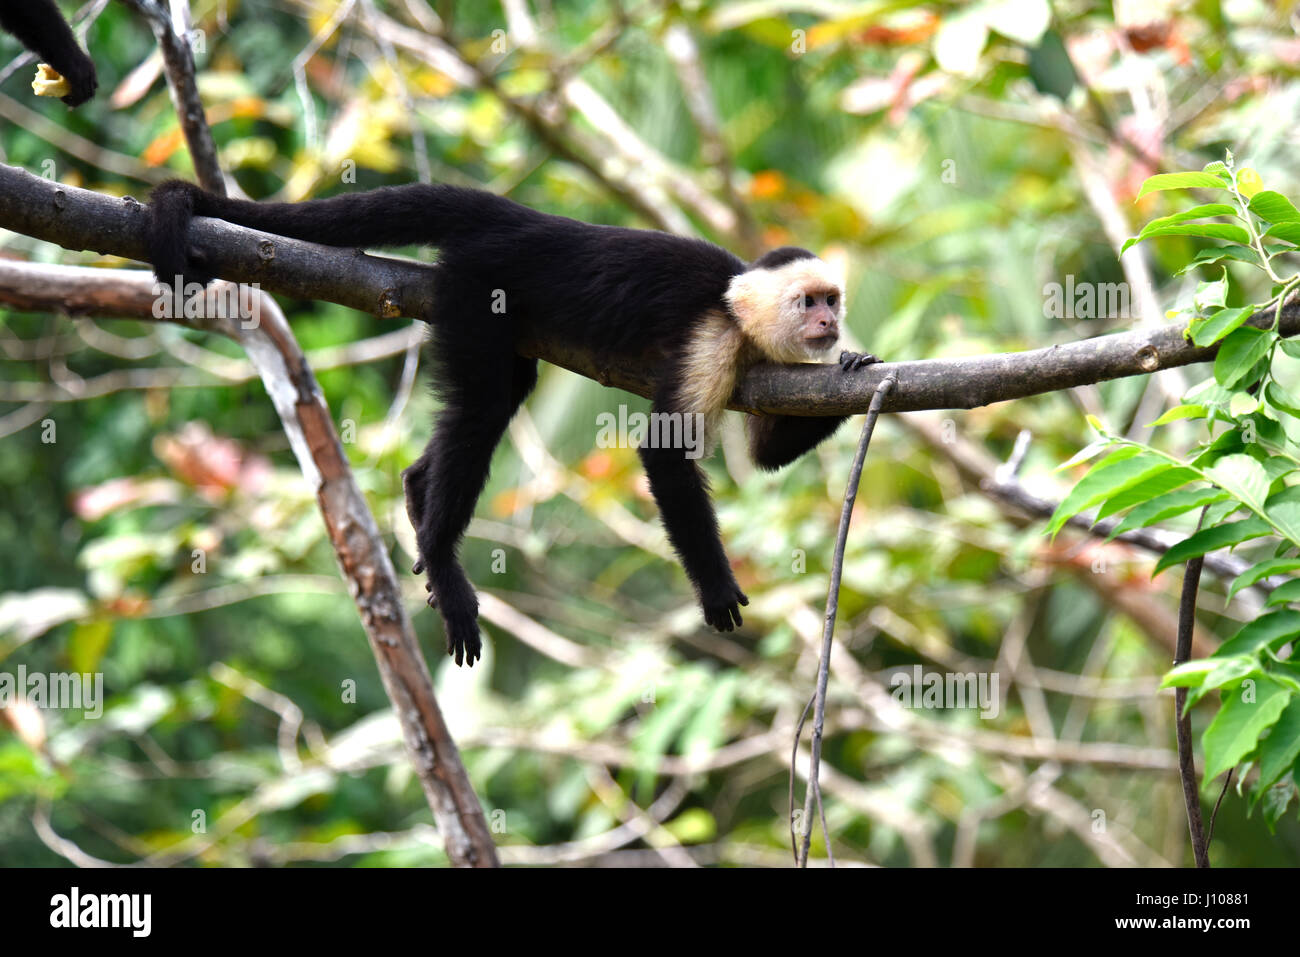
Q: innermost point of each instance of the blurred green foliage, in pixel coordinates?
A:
(941, 150)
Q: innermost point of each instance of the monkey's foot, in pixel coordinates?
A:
(856, 360)
(722, 607)
(463, 641)
(450, 592)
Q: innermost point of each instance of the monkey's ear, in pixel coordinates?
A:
(777, 440)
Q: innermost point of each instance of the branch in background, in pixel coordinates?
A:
(358, 546)
(178, 64)
(82, 219)
(77, 146)
(981, 470)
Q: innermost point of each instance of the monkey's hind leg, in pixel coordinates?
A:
(443, 485)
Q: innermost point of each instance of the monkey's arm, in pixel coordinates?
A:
(679, 489)
(40, 27)
(777, 440)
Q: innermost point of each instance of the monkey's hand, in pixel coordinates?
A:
(82, 82)
(722, 606)
(73, 87)
(856, 360)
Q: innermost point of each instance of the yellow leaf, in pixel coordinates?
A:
(1249, 182)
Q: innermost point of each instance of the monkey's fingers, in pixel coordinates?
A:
(417, 568)
(856, 360)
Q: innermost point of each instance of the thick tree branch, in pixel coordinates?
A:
(388, 288)
(358, 546)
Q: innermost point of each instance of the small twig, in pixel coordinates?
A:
(832, 609)
(1227, 783)
(794, 758)
(1183, 721)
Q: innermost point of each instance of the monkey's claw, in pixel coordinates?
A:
(722, 611)
(463, 642)
(856, 360)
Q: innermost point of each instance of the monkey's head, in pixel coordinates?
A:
(789, 303)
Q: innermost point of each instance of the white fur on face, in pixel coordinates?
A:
(768, 305)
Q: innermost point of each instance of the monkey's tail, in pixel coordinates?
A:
(389, 216)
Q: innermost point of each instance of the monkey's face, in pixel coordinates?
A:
(792, 312)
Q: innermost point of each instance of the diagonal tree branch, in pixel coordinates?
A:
(389, 288)
(358, 546)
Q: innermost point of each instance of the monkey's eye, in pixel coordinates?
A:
(808, 302)
(830, 300)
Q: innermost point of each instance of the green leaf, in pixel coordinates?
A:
(1241, 404)
(1274, 207)
(1276, 801)
(1228, 231)
(1287, 232)
(1158, 227)
(1163, 181)
(1218, 512)
(1208, 392)
(1196, 212)
(1212, 294)
(1214, 328)
(1212, 539)
(1283, 510)
(1189, 674)
(1270, 630)
(1113, 474)
(1242, 476)
(1235, 730)
(1238, 354)
(1225, 444)
(1187, 411)
(1275, 566)
(1286, 592)
(1085, 453)
(1146, 490)
(1232, 671)
(1167, 506)
(1291, 347)
(1280, 399)
(1216, 254)
(1279, 751)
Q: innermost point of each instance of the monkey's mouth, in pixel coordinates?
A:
(821, 343)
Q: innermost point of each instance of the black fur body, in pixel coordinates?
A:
(615, 291)
(40, 27)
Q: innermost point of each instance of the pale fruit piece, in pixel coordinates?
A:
(49, 82)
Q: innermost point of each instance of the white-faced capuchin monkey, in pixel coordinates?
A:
(40, 27)
(610, 290)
